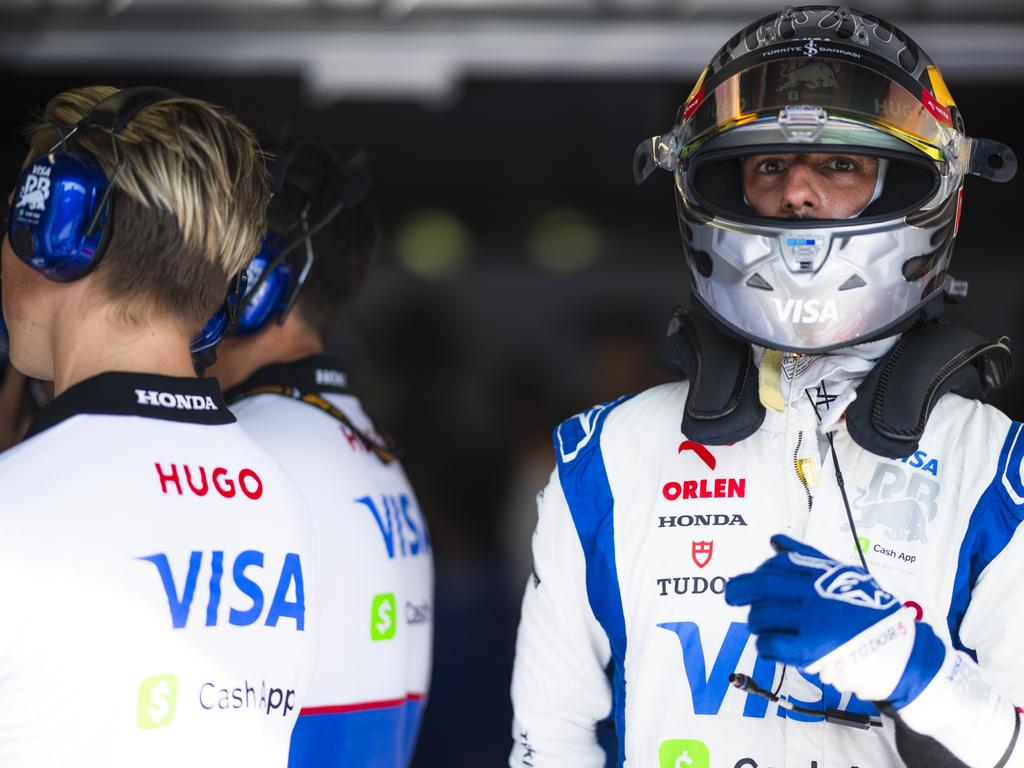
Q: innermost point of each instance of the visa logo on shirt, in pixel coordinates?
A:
(708, 691)
(400, 523)
(288, 602)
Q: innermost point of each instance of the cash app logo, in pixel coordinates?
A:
(683, 753)
(864, 543)
(157, 699)
(382, 617)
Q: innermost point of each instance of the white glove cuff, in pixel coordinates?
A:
(871, 663)
(964, 712)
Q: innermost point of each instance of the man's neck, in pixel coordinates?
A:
(241, 356)
(88, 341)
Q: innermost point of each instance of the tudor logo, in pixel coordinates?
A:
(177, 401)
(805, 311)
(701, 552)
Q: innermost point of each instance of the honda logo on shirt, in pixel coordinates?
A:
(175, 400)
(701, 552)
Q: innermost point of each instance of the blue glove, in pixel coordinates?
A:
(834, 620)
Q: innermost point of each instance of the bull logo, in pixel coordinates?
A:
(898, 502)
(701, 552)
(814, 75)
(35, 191)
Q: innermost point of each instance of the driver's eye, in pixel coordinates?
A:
(770, 167)
(842, 164)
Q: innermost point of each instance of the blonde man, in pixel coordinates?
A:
(155, 564)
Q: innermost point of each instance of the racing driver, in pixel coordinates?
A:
(829, 424)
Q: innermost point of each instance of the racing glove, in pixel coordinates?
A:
(834, 620)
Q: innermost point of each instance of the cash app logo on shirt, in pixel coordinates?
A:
(382, 617)
(157, 699)
(683, 753)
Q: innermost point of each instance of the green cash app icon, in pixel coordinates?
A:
(864, 543)
(683, 753)
(383, 614)
(158, 697)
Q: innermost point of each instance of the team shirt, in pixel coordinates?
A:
(376, 569)
(157, 584)
(641, 527)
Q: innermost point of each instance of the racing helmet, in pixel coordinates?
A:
(820, 81)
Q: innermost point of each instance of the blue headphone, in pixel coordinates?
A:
(60, 221)
(275, 281)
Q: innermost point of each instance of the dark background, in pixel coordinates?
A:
(522, 278)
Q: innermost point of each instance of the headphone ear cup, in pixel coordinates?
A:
(269, 298)
(56, 199)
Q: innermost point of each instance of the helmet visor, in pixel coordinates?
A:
(798, 91)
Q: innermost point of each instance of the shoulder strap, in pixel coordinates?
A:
(896, 398)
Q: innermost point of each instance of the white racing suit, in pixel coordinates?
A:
(640, 528)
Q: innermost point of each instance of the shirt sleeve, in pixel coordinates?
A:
(559, 687)
(970, 706)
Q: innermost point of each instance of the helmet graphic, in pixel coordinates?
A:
(844, 93)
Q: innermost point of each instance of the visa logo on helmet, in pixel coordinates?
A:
(805, 311)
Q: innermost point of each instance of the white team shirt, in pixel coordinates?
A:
(376, 567)
(157, 584)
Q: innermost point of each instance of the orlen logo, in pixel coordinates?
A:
(289, 596)
(805, 311)
(177, 401)
(247, 481)
(716, 488)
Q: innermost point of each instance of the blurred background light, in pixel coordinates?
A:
(432, 243)
(565, 240)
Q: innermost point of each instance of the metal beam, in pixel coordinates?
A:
(430, 60)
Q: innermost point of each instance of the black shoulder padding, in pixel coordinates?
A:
(896, 398)
(722, 405)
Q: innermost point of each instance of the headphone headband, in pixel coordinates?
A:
(114, 112)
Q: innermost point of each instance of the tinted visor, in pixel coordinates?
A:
(846, 91)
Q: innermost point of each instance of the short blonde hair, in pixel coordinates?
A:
(188, 207)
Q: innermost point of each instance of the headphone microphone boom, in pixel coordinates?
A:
(273, 289)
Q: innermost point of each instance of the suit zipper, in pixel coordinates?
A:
(800, 474)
